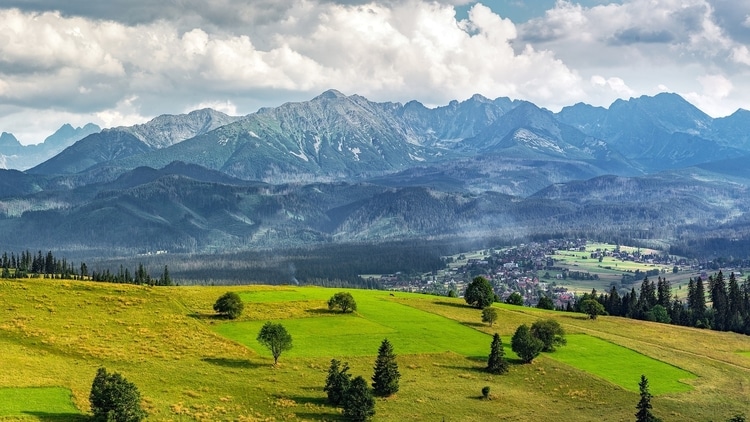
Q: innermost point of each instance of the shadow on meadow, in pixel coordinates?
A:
(233, 363)
(322, 311)
(208, 317)
(306, 400)
(58, 417)
(319, 416)
(453, 304)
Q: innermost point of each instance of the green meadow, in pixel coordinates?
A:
(621, 366)
(44, 403)
(191, 366)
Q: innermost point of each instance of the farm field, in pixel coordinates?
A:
(610, 270)
(189, 365)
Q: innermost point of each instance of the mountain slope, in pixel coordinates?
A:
(21, 157)
(122, 142)
(329, 137)
(660, 132)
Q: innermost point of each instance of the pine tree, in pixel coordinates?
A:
(644, 404)
(496, 363)
(337, 382)
(358, 404)
(720, 302)
(386, 376)
(734, 296)
(699, 306)
(165, 279)
(664, 293)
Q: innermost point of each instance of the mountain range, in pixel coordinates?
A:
(14, 155)
(342, 168)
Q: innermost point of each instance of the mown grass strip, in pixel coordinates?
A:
(620, 365)
(43, 402)
(410, 330)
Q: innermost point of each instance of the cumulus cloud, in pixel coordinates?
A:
(123, 60)
(716, 88)
(649, 43)
(614, 84)
(117, 71)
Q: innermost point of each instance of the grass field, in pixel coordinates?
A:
(45, 403)
(189, 365)
(621, 365)
(610, 270)
(333, 334)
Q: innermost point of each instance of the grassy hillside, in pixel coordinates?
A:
(190, 366)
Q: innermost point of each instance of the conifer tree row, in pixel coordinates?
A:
(729, 308)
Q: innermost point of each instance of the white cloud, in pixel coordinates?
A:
(649, 43)
(226, 107)
(716, 89)
(125, 113)
(614, 84)
(389, 51)
(240, 56)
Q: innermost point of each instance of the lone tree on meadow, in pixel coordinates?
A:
(337, 382)
(489, 315)
(592, 308)
(550, 332)
(229, 305)
(343, 301)
(479, 293)
(358, 404)
(386, 376)
(496, 363)
(644, 404)
(526, 346)
(275, 338)
(115, 399)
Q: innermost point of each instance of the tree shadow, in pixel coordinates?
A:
(319, 416)
(208, 317)
(323, 311)
(453, 304)
(305, 400)
(57, 417)
(233, 363)
(475, 324)
(577, 316)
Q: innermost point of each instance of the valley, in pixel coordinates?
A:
(189, 365)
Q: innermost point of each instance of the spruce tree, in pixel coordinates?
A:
(496, 363)
(386, 376)
(337, 382)
(720, 302)
(358, 404)
(644, 404)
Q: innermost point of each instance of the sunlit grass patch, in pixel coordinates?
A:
(43, 402)
(333, 334)
(620, 365)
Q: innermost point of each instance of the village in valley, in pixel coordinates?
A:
(559, 269)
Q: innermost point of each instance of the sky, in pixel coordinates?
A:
(123, 62)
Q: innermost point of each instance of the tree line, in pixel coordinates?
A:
(729, 301)
(26, 264)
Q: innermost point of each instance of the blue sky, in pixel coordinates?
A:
(123, 62)
(521, 11)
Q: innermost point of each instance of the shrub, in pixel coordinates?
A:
(343, 301)
(115, 399)
(229, 305)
